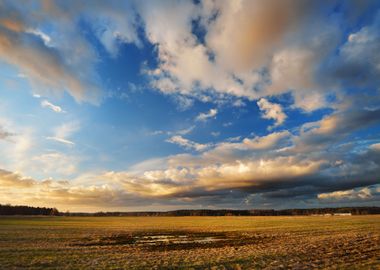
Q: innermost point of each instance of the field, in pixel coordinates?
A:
(351, 242)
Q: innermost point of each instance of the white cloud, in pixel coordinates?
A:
(46, 39)
(266, 142)
(205, 116)
(271, 111)
(61, 140)
(51, 106)
(187, 143)
(219, 67)
(294, 69)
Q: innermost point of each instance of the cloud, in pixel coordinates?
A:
(55, 108)
(17, 189)
(285, 57)
(375, 147)
(205, 116)
(64, 131)
(61, 140)
(271, 111)
(357, 62)
(187, 143)
(14, 180)
(175, 132)
(333, 128)
(243, 22)
(266, 142)
(55, 162)
(352, 194)
(254, 170)
(294, 69)
(233, 148)
(46, 61)
(293, 54)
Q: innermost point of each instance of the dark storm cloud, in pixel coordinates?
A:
(334, 128)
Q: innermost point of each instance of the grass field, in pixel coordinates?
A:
(190, 242)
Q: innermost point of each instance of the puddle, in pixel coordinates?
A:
(175, 239)
(172, 240)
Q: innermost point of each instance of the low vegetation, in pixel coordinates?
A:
(313, 242)
(28, 210)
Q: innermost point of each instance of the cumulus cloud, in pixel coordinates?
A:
(352, 194)
(243, 22)
(290, 55)
(14, 180)
(271, 111)
(251, 169)
(51, 106)
(18, 189)
(207, 115)
(285, 57)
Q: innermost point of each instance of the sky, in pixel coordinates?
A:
(162, 105)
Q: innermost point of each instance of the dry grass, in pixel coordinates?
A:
(190, 242)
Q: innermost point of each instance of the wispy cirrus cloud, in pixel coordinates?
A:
(63, 132)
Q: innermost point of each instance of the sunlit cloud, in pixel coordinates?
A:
(352, 194)
(271, 111)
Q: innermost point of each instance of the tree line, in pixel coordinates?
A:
(28, 210)
(252, 212)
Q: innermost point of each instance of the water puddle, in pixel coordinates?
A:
(176, 239)
(171, 240)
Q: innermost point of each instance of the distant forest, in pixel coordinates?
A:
(27, 210)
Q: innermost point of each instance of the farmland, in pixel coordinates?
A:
(299, 242)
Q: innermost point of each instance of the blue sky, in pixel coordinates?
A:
(157, 105)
